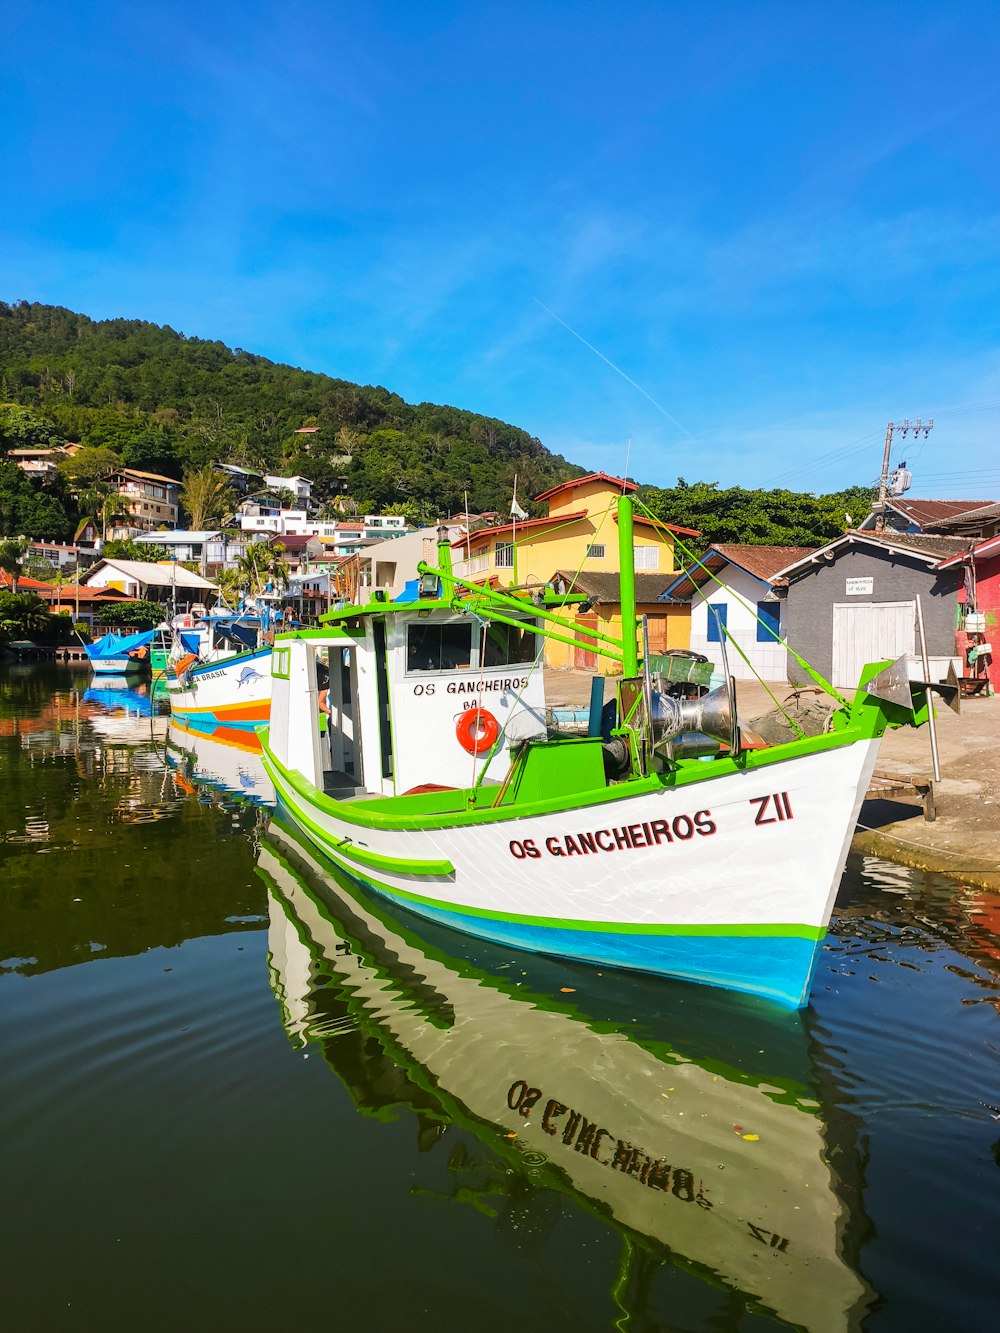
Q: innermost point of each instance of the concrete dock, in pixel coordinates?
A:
(963, 842)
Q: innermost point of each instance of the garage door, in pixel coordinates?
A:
(869, 632)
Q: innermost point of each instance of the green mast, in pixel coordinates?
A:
(626, 559)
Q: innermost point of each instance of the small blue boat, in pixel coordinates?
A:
(120, 655)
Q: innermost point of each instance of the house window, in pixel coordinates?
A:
(718, 613)
(505, 555)
(479, 564)
(768, 622)
(596, 551)
(647, 557)
(439, 647)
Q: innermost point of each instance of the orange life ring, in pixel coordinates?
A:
(477, 730)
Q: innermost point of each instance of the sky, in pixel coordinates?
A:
(725, 242)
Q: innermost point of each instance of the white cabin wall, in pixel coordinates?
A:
(426, 707)
(768, 659)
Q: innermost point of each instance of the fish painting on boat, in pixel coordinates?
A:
(437, 785)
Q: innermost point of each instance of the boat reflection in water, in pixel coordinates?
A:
(693, 1125)
(125, 710)
(225, 762)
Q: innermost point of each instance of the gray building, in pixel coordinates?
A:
(853, 601)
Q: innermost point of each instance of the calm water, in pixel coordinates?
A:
(235, 1095)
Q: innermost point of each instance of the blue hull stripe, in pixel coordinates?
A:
(777, 968)
(205, 723)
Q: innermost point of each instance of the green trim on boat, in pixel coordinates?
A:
(400, 865)
(785, 930)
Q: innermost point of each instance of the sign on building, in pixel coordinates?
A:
(859, 587)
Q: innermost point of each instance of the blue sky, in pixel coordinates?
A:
(779, 222)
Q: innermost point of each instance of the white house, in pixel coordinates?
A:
(733, 590)
(213, 548)
(149, 580)
(300, 487)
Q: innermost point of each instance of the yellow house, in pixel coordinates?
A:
(579, 538)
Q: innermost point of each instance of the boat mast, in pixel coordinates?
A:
(626, 561)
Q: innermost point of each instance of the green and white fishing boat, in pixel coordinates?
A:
(429, 777)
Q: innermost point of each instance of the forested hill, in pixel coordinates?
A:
(147, 397)
(165, 403)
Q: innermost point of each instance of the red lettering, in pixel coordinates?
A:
(635, 833)
(553, 848)
(531, 849)
(586, 841)
(704, 823)
(603, 833)
(683, 827)
(572, 846)
(517, 850)
(621, 837)
(661, 830)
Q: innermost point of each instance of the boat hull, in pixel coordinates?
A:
(231, 694)
(728, 881)
(117, 666)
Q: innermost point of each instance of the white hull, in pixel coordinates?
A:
(731, 880)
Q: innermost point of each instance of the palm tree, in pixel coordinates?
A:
(262, 564)
(21, 614)
(12, 553)
(206, 496)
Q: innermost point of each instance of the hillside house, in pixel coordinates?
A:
(735, 593)
(146, 501)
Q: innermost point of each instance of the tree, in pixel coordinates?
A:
(262, 565)
(206, 496)
(22, 614)
(124, 548)
(12, 553)
(138, 614)
(20, 428)
(89, 466)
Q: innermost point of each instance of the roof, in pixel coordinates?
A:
(980, 551)
(159, 573)
(552, 520)
(760, 562)
(661, 523)
(926, 512)
(970, 516)
(49, 592)
(294, 541)
(146, 476)
(178, 535)
(606, 587)
(619, 483)
(925, 546)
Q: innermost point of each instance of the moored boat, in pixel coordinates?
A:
(120, 655)
(434, 788)
(218, 679)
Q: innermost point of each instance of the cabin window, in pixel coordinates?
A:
(718, 613)
(505, 555)
(509, 645)
(768, 622)
(439, 647)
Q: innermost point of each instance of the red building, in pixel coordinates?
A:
(976, 639)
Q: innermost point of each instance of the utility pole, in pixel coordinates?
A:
(903, 427)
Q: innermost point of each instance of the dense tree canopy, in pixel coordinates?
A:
(758, 518)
